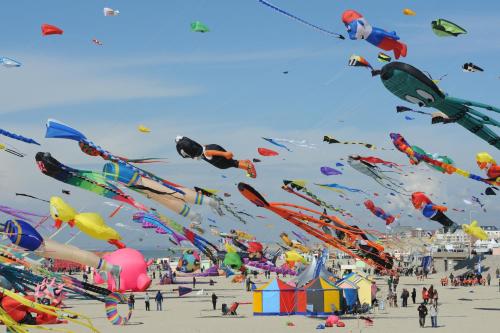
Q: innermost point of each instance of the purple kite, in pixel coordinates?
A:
(327, 171)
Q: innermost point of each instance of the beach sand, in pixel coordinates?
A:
(462, 309)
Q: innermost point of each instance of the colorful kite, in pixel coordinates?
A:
(359, 61)
(409, 12)
(358, 28)
(433, 212)
(276, 143)
(382, 57)
(18, 137)
(338, 186)
(475, 231)
(379, 212)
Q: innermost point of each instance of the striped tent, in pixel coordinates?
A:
(275, 298)
(349, 293)
(318, 297)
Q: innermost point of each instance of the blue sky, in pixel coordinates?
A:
(227, 87)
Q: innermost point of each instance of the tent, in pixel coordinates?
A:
(364, 287)
(318, 297)
(349, 293)
(274, 298)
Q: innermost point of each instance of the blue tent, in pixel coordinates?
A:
(349, 293)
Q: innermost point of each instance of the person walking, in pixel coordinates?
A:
(146, 301)
(131, 301)
(159, 301)
(435, 297)
(389, 283)
(214, 301)
(434, 312)
(488, 278)
(194, 282)
(422, 313)
(425, 295)
(395, 284)
(414, 295)
(154, 275)
(404, 296)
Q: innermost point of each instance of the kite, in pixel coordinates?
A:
(276, 143)
(197, 26)
(382, 57)
(91, 224)
(441, 158)
(358, 28)
(56, 129)
(21, 214)
(48, 29)
(475, 231)
(379, 212)
(111, 306)
(327, 171)
(110, 12)
(486, 161)
(415, 158)
(400, 109)
(445, 28)
(409, 118)
(340, 187)
(471, 68)
(97, 42)
(433, 212)
(436, 117)
(358, 61)
(281, 11)
(9, 63)
(329, 229)
(11, 150)
(409, 12)
(368, 166)
(331, 140)
(293, 243)
(412, 85)
(213, 154)
(143, 129)
(338, 164)
(267, 152)
(296, 186)
(88, 180)
(18, 137)
(22, 234)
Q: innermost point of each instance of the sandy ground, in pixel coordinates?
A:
(462, 309)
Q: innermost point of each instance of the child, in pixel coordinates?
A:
(213, 154)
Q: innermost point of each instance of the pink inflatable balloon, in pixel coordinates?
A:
(134, 275)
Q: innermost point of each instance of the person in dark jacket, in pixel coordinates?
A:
(422, 313)
(159, 301)
(214, 300)
(404, 296)
(414, 295)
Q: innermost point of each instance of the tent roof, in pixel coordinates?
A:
(275, 285)
(320, 283)
(346, 284)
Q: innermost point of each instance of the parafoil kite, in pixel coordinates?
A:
(445, 28)
(110, 12)
(433, 212)
(327, 171)
(368, 166)
(382, 57)
(282, 11)
(9, 63)
(143, 129)
(331, 140)
(412, 85)
(470, 67)
(91, 224)
(415, 158)
(48, 29)
(267, 152)
(349, 239)
(197, 26)
(475, 231)
(358, 61)
(213, 154)
(379, 212)
(358, 28)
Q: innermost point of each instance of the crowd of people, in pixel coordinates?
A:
(467, 280)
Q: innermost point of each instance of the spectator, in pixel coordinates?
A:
(404, 295)
(434, 312)
(159, 301)
(414, 295)
(131, 301)
(422, 313)
(214, 301)
(146, 301)
(194, 282)
(488, 278)
(425, 295)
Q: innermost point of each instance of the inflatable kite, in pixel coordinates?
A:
(296, 18)
(412, 85)
(329, 229)
(441, 158)
(111, 306)
(213, 154)
(445, 28)
(143, 129)
(91, 224)
(48, 29)
(358, 28)
(486, 161)
(416, 157)
(409, 12)
(17, 137)
(433, 212)
(475, 231)
(379, 212)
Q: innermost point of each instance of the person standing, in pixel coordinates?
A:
(425, 295)
(159, 301)
(414, 295)
(154, 275)
(435, 297)
(146, 301)
(395, 283)
(434, 312)
(422, 313)
(488, 278)
(404, 295)
(194, 282)
(131, 301)
(214, 301)
(389, 283)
